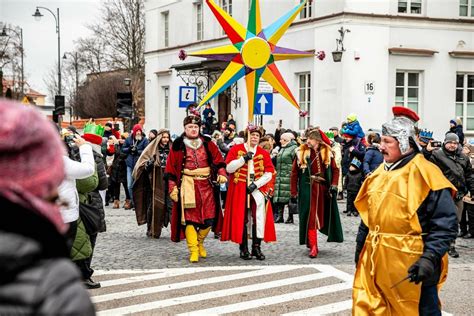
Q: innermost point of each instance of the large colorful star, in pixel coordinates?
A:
(252, 54)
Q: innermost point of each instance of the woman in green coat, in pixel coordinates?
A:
(284, 163)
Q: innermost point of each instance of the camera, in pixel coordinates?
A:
(69, 140)
(436, 143)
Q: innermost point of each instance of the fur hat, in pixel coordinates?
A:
(254, 128)
(192, 119)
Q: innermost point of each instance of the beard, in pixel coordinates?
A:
(139, 137)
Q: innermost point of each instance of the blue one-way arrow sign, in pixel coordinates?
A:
(264, 104)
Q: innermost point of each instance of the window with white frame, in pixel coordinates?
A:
(166, 106)
(226, 5)
(199, 23)
(165, 16)
(466, 8)
(304, 84)
(307, 11)
(465, 99)
(409, 6)
(407, 89)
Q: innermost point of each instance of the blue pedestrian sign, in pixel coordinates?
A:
(264, 105)
(187, 96)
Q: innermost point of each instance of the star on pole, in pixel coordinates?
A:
(252, 54)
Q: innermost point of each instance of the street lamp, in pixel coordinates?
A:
(38, 16)
(337, 54)
(76, 68)
(20, 34)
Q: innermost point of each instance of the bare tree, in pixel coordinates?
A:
(122, 28)
(97, 97)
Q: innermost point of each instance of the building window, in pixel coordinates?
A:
(407, 90)
(166, 103)
(304, 83)
(466, 8)
(409, 6)
(307, 11)
(465, 99)
(165, 16)
(226, 5)
(199, 24)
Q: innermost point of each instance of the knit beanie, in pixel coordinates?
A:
(452, 122)
(451, 137)
(31, 161)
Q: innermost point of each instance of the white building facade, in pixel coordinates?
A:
(414, 53)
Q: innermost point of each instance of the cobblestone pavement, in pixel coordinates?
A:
(124, 249)
(125, 246)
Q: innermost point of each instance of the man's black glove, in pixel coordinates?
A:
(294, 199)
(149, 165)
(423, 268)
(248, 156)
(333, 189)
(133, 150)
(252, 187)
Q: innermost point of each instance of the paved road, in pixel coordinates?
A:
(300, 284)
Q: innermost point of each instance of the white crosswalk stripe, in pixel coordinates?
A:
(271, 290)
(220, 290)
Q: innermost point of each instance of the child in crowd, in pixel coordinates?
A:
(355, 177)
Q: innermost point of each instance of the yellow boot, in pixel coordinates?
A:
(192, 241)
(202, 233)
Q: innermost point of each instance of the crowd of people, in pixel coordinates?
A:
(412, 194)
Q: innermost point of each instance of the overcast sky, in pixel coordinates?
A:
(40, 38)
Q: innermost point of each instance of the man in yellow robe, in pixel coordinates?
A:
(408, 222)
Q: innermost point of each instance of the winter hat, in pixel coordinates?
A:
(352, 117)
(135, 129)
(93, 133)
(330, 135)
(287, 136)
(109, 124)
(451, 137)
(154, 131)
(453, 122)
(345, 135)
(31, 161)
(356, 163)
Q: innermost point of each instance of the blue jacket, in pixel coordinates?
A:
(354, 129)
(132, 158)
(372, 159)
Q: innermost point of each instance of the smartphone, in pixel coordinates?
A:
(436, 143)
(280, 123)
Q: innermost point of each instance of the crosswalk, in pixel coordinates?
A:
(243, 290)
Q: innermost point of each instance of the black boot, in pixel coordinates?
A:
(256, 251)
(244, 246)
(289, 220)
(279, 218)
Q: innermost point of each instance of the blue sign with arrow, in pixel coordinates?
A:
(264, 105)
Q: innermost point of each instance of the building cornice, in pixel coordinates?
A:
(408, 18)
(467, 54)
(405, 51)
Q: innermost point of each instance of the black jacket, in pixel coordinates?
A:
(457, 168)
(437, 217)
(348, 156)
(94, 197)
(354, 181)
(36, 275)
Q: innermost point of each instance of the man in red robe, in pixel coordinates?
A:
(194, 165)
(314, 180)
(251, 172)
